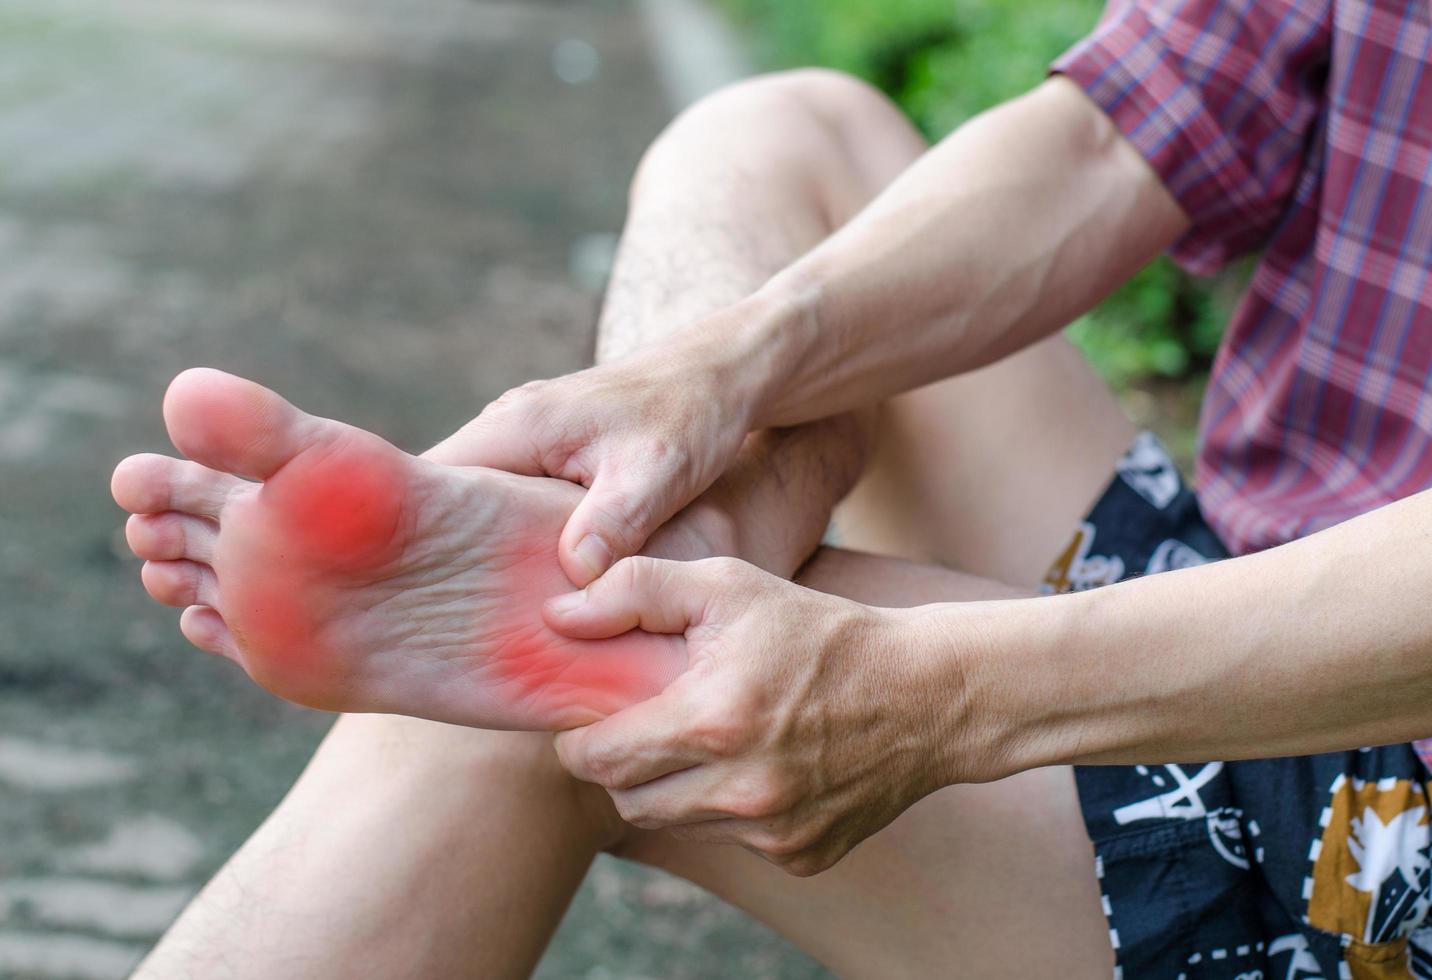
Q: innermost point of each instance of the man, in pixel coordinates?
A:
(793, 256)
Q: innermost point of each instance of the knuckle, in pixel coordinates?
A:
(509, 402)
(634, 814)
(530, 408)
(779, 849)
(717, 734)
(624, 511)
(725, 568)
(600, 765)
(743, 705)
(635, 574)
(759, 800)
(665, 457)
(792, 839)
(597, 770)
(804, 864)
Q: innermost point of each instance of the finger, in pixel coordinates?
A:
(480, 443)
(616, 517)
(684, 797)
(636, 745)
(655, 595)
(502, 437)
(724, 829)
(795, 854)
(719, 790)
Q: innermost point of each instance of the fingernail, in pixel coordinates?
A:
(567, 603)
(594, 554)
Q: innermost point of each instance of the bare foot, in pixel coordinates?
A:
(355, 577)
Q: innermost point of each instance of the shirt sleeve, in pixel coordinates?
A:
(1222, 97)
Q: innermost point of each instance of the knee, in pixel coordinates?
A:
(801, 100)
(806, 118)
(841, 103)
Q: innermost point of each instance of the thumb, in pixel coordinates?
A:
(657, 596)
(486, 441)
(614, 519)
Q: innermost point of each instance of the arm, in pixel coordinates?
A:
(808, 722)
(997, 237)
(1318, 645)
(1018, 222)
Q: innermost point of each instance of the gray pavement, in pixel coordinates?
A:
(390, 212)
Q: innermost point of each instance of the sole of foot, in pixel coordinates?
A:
(345, 574)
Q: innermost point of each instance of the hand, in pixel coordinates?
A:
(733, 517)
(803, 724)
(647, 435)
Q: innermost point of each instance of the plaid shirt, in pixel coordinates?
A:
(1305, 129)
(1302, 128)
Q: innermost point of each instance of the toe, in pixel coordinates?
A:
(170, 536)
(235, 425)
(180, 583)
(152, 484)
(206, 629)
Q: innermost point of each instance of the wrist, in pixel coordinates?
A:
(1001, 685)
(748, 354)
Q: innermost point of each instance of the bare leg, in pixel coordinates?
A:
(409, 847)
(483, 838)
(976, 881)
(396, 820)
(980, 472)
(987, 473)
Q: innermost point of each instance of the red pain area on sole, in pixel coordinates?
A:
(273, 622)
(340, 520)
(341, 507)
(558, 681)
(575, 682)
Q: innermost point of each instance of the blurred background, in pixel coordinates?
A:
(390, 212)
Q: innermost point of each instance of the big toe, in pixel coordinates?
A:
(334, 488)
(232, 424)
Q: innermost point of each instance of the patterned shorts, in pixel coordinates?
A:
(1297, 868)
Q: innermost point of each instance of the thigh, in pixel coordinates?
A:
(983, 881)
(992, 471)
(412, 848)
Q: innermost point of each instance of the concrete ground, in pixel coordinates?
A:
(390, 212)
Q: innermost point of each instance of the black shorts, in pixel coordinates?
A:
(1295, 868)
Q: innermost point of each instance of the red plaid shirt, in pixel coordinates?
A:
(1304, 129)
(1301, 128)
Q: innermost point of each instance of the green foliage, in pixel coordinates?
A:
(1161, 323)
(946, 60)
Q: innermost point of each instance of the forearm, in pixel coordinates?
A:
(773, 504)
(1319, 645)
(1011, 227)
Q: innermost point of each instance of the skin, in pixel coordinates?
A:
(472, 881)
(1018, 685)
(736, 749)
(812, 342)
(357, 577)
(1015, 224)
